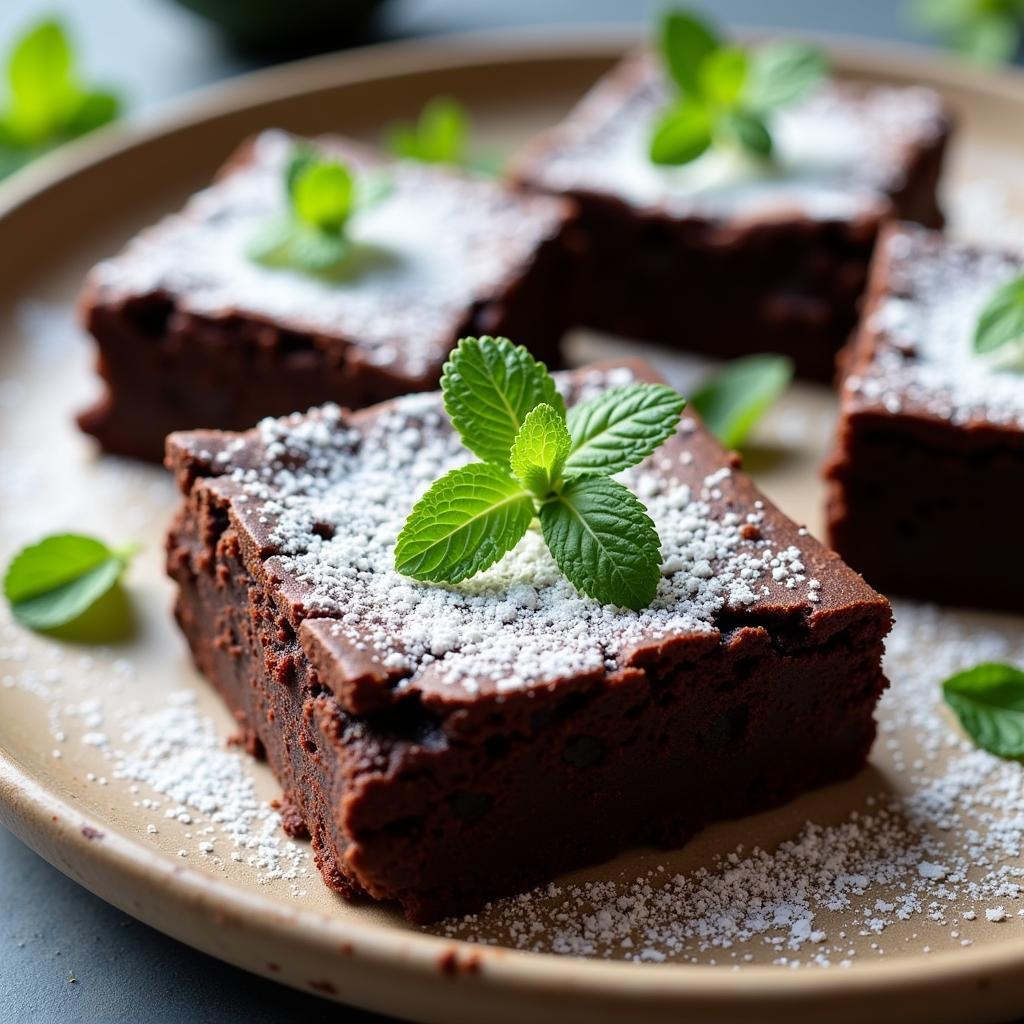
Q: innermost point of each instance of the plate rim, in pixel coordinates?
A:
(49, 824)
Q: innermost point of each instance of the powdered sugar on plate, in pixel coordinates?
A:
(950, 838)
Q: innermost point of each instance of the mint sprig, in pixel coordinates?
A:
(731, 401)
(47, 103)
(541, 463)
(66, 578)
(989, 701)
(725, 93)
(1002, 320)
(322, 197)
(987, 31)
(440, 135)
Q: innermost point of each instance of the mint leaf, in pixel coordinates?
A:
(685, 41)
(1002, 319)
(750, 132)
(603, 541)
(288, 243)
(621, 427)
(539, 450)
(322, 194)
(39, 76)
(993, 39)
(734, 399)
(722, 76)
(55, 582)
(684, 133)
(782, 73)
(438, 136)
(465, 522)
(989, 701)
(489, 387)
(93, 110)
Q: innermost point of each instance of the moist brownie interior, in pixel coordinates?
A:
(192, 332)
(446, 745)
(930, 448)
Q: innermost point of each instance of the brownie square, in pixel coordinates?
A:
(726, 256)
(192, 333)
(445, 745)
(929, 455)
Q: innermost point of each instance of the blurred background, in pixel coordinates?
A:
(64, 955)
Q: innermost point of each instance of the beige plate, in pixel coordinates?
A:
(60, 216)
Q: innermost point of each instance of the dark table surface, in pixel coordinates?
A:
(64, 954)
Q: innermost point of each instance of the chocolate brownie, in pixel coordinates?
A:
(727, 255)
(929, 456)
(193, 333)
(449, 744)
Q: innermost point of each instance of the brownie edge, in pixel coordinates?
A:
(419, 788)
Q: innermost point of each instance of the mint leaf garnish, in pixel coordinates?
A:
(55, 582)
(539, 450)
(987, 31)
(1002, 320)
(437, 137)
(989, 701)
(732, 400)
(322, 196)
(489, 387)
(621, 427)
(725, 91)
(440, 136)
(465, 522)
(684, 132)
(686, 41)
(506, 408)
(47, 103)
(783, 73)
(603, 540)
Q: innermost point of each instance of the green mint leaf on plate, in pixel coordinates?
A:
(686, 40)
(438, 137)
(683, 133)
(489, 387)
(621, 427)
(1002, 320)
(464, 523)
(539, 449)
(57, 581)
(603, 541)
(783, 73)
(989, 701)
(47, 103)
(725, 91)
(732, 400)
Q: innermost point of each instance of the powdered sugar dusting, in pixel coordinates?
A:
(438, 244)
(925, 361)
(838, 154)
(520, 622)
(942, 853)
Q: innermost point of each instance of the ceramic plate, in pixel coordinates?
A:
(114, 763)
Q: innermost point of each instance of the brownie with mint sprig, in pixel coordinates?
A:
(731, 196)
(418, 633)
(312, 272)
